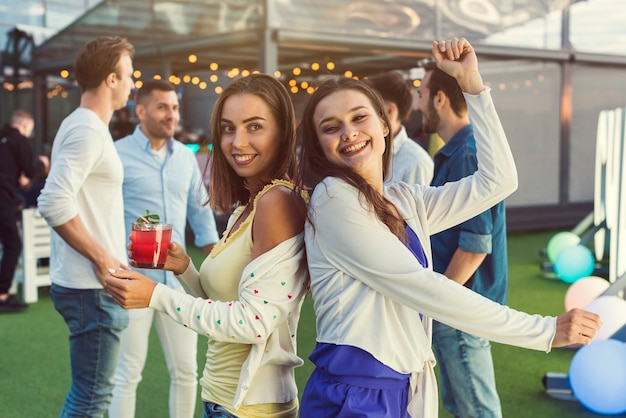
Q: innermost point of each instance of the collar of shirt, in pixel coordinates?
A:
(457, 140)
(400, 139)
(144, 143)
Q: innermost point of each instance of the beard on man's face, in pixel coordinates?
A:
(430, 119)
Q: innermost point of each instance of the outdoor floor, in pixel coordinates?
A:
(34, 365)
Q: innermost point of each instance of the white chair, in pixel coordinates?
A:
(35, 246)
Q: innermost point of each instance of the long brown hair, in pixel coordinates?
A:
(227, 189)
(314, 166)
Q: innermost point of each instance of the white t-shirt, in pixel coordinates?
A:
(85, 179)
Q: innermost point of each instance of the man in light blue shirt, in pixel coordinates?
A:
(161, 175)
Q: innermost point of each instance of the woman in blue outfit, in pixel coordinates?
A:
(369, 254)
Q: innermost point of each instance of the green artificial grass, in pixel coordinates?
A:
(34, 363)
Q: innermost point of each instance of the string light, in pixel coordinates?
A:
(137, 73)
(138, 84)
(193, 58)
(26, 84)
(64, 74)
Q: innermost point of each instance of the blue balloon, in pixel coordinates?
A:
(573, 263)
(597, 376)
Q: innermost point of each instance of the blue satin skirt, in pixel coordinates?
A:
(350, 382)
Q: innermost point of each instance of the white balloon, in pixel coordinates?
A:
(597, 376)
(612, 311)
(583, 291)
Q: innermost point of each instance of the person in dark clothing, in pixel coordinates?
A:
(16, 158)
(31, 188)
(122, 125)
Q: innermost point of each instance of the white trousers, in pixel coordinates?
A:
(180, 350)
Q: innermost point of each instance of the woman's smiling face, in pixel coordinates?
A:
(351, 133)
(250, 137)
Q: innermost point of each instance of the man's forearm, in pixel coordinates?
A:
(76, 236)
(463, 265)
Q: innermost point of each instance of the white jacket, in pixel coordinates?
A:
(368, 287)
(268, 324)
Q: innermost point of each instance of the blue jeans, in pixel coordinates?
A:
(467, 380)
(213, 410)
(95, 323)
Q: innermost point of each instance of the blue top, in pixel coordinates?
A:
(171, 188)
(483, 234)
(415, 247)
(354, 366)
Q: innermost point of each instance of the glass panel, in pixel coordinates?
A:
(71, 5)
(409, 19)
(29, 12)
(182, 19)
(598, 26)
(60, 15)
(541, 33)
(526, 95)
(594, 89)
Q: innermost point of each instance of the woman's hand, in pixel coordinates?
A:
(130, 289)
(576, 327)
(177, 259)
(457, 58)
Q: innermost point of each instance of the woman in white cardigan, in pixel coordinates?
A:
(247, 296)
(368, 252)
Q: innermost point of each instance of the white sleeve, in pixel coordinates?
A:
(72, 162)
(349, 238)
(495, 179)
(272, 288)
(190, 279)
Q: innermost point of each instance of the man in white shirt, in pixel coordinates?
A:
(82, 202)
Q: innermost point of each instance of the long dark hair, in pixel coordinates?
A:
(226, 188)
(314, 166)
